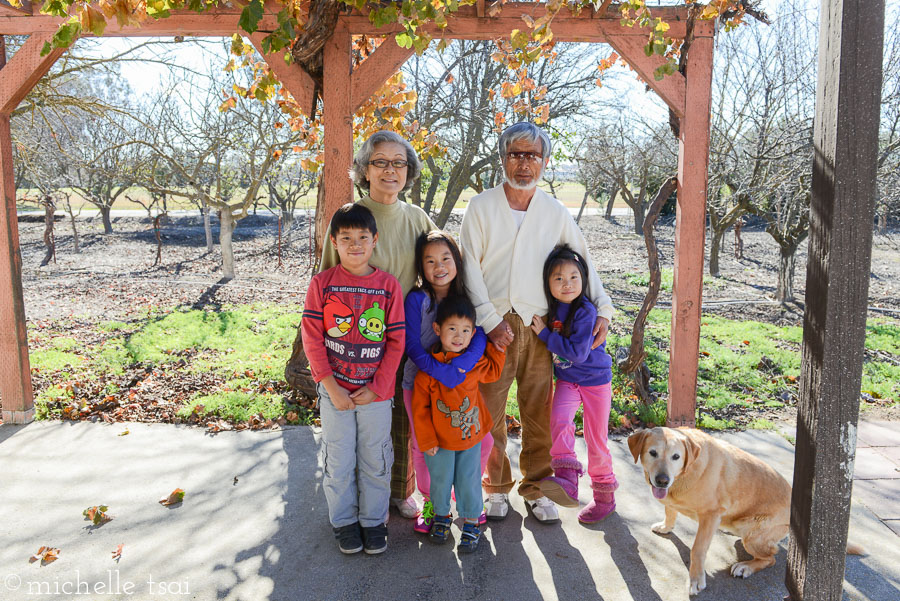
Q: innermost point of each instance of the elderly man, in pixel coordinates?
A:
(507, 233)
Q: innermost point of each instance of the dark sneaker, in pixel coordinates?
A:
(349, 538)
(468, 541)
(375, 539)
(440, 529)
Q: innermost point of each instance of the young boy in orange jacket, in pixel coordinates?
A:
(450, 423)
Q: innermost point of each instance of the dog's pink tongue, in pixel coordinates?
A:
(659, 493)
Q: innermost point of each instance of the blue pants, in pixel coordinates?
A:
(460, 470)
(357, 456)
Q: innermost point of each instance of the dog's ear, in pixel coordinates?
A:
(636, 443)
(691, 450)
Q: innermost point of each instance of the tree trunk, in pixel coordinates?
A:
(583, 204)
(612, 201)
(459, 178)
(787, 260)
(738, 241)
(287, 221)
(715, 247)
(638, 211)
(74, 234)
(49, 240)
(104, 215)
(207, 227)
(226, 228)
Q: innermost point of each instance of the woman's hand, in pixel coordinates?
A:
(431, 452)
(537, 324)
(363, 396)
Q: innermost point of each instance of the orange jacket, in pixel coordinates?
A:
(455, 419)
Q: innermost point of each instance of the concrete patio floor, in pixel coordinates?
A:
(265, 536)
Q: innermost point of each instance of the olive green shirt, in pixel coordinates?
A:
(399, 225)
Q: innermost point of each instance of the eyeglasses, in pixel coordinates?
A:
(524, 156)
(383, 163)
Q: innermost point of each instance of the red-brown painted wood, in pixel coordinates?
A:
(690, 230)
(337, 119)
(293, 77)
(371, 74)
(669, 88)
(24, 70)
(16, 392)
(8, 9)
(215, 22)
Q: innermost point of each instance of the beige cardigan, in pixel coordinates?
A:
(504, 265)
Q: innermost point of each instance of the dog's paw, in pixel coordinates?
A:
(660, 528)
(697, 584)
(742, 569)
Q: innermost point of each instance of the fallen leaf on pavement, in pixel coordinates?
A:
(117, 554)
(125, 432)
(177, 496)
(46, 555)
(97, 514)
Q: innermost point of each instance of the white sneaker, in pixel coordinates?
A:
(497, 506)
(544, 510)
(407, 507)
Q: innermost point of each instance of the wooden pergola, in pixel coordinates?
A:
(841, 220)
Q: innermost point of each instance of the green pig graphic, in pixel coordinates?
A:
(371, 323)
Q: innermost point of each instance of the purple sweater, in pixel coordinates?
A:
(573, 359)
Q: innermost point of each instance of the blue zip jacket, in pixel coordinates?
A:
(573, 359)
(420, 337)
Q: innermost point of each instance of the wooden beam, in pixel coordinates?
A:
(479, 9)
(293, 77)
(690, 225)
(16, 391)
(567, 27)
(221, 21)
(845, 141)
(670, 88)
(24, 70)
(6, 8)
(371, 74)
(337, 120)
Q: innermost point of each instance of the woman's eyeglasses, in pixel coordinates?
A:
(383, 163)
(524, 156)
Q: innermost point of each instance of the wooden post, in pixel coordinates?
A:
(690, 234)
(337, 120)
(842, 210)
(16, 393)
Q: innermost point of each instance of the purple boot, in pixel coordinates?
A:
(604, 503)
(562, 486)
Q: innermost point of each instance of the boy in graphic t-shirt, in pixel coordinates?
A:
(353, 336)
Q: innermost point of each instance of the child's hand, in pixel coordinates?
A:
(363, 396)
(537, 324)
(341, 400)
(431, 452)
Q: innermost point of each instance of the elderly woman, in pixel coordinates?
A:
(385, 166)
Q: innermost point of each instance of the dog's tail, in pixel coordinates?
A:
(853, 549)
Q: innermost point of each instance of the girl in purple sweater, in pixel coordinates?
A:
(583, 377)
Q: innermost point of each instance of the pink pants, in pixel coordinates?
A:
(596, 400)
(423, 479)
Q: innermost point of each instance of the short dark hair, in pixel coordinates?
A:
(455, 305)
(353, 216)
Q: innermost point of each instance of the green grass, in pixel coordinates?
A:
(667, 276)
(741, 363)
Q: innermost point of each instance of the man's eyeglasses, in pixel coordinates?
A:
(524, 156)
(383, 163)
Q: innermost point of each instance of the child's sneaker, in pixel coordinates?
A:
(482, 519)
(425, 518)
(375, 539)
(440, 529)
(407, 507)
(349, 538)
(468, 540)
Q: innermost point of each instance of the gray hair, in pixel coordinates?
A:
(524, 131)
(364, 155)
